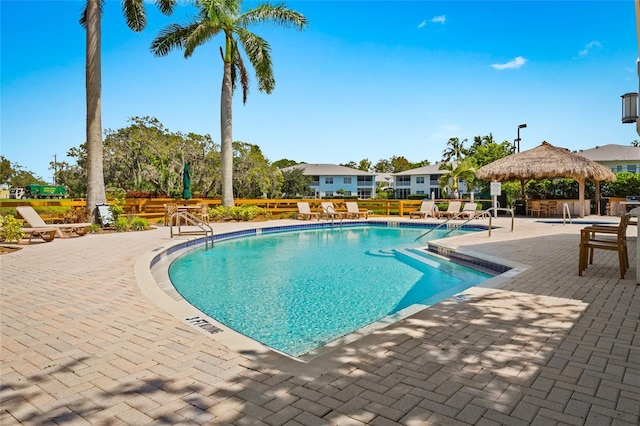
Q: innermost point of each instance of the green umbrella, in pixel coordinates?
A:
(186, 182)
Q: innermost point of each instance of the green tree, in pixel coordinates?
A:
(364, 165)
(400, 164)
(455, 150)
(255, 176)
(282, 163)
(91, 20)
(383, 166)
(295, 184)
(5, 170)
(450, 180)
(226, 17)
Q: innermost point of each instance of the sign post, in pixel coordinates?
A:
(496, 189)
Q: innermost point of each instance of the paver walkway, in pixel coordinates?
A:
(82, 345)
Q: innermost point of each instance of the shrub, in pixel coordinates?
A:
(243, 212)
(138, 223)
(10, 229)
(121, 224)
(93, 228)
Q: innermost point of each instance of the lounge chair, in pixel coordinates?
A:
(304, 211)
(329, 211)
(427, 208)
(46, 234)
(470, 211)
(35, 221)
(354, 212)
(453, 209)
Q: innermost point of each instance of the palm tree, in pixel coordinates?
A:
(91, 19)
(463, 170)
(226, 17)
(455, 150)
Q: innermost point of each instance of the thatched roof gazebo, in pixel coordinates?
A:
(547, 162)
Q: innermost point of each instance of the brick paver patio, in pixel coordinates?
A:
(81, 344)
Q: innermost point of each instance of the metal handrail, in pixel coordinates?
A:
(192, 220)
(455, 216)
(497, 209)
(565, 212)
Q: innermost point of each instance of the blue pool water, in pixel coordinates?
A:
(297, 291)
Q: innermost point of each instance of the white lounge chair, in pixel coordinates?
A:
(427, 208)
(469, 211)
(304, 211)
(453, 209)
(35, 221)
(354, 212)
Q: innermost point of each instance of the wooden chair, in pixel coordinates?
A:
(536, 208)
(605, 238)
(204, 211)
(169, 209)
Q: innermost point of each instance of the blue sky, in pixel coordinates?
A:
(366, 79)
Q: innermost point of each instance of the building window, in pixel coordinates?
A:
(315, 181)
(328, 193)
(618, 169)
(328, 181)
(433, 180)
(347, 193)
(420, 192)
(365, 180)
(347, 181)
(403, 181)
(419, 179)
(631, 168)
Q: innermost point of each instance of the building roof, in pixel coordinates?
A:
(328, 170)
(432, 169)
(612, 152)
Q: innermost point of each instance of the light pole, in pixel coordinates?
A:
(520, 126)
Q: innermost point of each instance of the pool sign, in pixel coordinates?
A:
(496, 188)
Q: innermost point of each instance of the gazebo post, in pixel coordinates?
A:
(581, 195)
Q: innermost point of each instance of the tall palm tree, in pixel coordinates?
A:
(91, 20)
(227, 17)
(455, 150)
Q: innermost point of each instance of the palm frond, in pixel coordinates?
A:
(238, 67)
(259, 53)
(134, 14)
(169, 38)
(278, 14)
(166, 6)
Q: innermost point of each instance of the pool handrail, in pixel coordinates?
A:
(565, 212)
(193, 220)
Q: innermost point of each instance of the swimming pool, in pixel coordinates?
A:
(297, 291)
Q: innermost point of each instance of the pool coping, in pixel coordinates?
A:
(153, 281)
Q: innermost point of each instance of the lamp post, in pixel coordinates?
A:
(520, 126)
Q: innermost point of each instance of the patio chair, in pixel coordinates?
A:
(329, 211)
(169, 210)
(605, 238)
(469, 211)
(46, 234)
(354, 212)
(427, 208)
(35, 221)
(452, 210)
(304, 211)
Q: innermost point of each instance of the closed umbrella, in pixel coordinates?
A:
(186, 182)
(547, 162)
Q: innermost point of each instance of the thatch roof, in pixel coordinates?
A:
(545, 162)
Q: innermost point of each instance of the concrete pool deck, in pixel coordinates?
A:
(83, 342)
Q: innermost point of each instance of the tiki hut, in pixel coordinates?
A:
(547, 162)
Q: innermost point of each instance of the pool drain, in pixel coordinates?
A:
(203, 324)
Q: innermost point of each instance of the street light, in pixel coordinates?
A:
(520, 126)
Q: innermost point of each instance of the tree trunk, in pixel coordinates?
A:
(95, 174)
(226, 137)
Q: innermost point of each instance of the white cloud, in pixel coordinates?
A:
(589, 47)
(439, 19)
(422, 24)
(516, 63)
